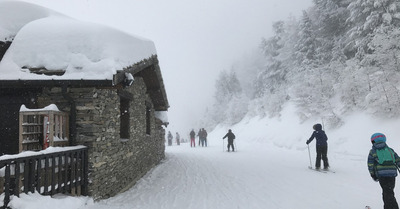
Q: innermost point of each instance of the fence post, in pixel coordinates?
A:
(85, 172)
(53, 174)
(17, 178)
(7, 186)
(32, 172)
(59, 176)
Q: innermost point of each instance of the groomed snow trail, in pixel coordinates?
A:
(257, 176)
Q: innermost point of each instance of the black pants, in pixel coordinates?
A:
(230, 143)
(387, 184)
(322, 154)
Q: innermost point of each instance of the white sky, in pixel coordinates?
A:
(195, 39)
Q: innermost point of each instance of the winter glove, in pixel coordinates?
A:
(308, 142)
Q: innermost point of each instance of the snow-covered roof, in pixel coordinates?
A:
(51, 107)
(44, 39)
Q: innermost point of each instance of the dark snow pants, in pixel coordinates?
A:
(387, 184)
(230, 143)
(322, 152)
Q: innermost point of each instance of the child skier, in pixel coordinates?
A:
(322, 146)
(383, 163)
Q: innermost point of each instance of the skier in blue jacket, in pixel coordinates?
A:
(322, 146)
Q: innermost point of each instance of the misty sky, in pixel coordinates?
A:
(195, 39)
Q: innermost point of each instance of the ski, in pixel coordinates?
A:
(322, 170)
(330, 171)
(318, 170)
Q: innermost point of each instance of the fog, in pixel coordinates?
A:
(195, 39)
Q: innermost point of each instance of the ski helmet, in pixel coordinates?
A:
(317, 127)
(378, 137)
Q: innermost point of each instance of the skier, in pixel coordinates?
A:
(322, 146)
(231, 137)
(178, 139)
(205, 136)
(199, 134)
(170, 137)
(192, 137)
(383, 163)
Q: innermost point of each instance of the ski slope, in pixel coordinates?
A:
(254, 177)
(269, 170)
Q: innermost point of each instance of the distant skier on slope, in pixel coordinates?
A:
(178, 139)
(322, 146)
(205, 136)
(170, 137)
(231, 137)
(192, 137)
(383, 163)
(199, 135)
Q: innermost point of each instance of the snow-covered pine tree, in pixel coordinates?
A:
(342, 57)
(230, 104)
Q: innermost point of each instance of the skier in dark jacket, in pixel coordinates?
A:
(231, 137)
(170, 137)
(383, 163)
(199, 134)
(205, 136)
(178, 139)
(192, 137)
(322, 146)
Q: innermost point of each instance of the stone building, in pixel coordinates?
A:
(112, 98)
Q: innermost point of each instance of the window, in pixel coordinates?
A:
(41, 128)
(124, 119)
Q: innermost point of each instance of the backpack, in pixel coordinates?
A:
(385, 155)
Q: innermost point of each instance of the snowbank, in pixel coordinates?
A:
(289, 133)
(46, 39)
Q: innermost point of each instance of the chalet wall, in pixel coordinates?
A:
(114, 164)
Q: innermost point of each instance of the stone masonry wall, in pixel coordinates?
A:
(114, 164)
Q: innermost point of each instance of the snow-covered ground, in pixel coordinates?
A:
(270, 170)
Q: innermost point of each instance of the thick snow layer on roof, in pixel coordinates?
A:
(51, 107)
(162, 115)
(46, 39)
(14, 15)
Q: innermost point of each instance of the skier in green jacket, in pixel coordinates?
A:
(383, 163)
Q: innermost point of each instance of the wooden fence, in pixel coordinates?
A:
(50, 173)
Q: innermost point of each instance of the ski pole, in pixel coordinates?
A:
(223, 144)
(309, 156)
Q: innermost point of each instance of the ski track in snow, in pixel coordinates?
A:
(257, 176)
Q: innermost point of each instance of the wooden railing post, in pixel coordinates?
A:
(67, 174)
(85, 178)
(7, 186)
